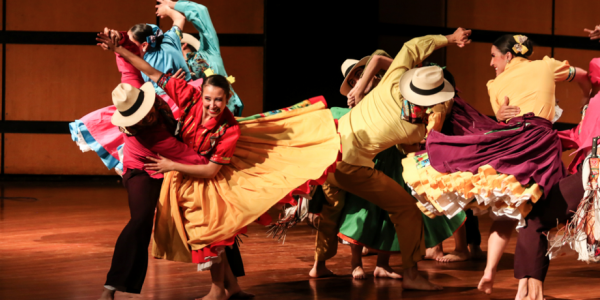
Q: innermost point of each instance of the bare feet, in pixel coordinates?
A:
(320, 270)
(476, 253)
(358, 273)
(522, 291)
(414, 281)
(486, 284)
(240, 295)
(215, 294)
(434, 253)
(535, 289)
(454, 257)
(386, 272)
(107, 294)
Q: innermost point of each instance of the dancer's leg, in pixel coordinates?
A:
(383, 268)
(461, 250)
(499, 235)
(434, 252)
(327, 241)
(130, 258)
(473, 236)
(232, 287)
(376, 187)
(217, 274)
(522, 290)
(357, 268)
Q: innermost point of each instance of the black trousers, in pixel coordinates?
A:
(560, 204)
(472, 227)
(130, 259)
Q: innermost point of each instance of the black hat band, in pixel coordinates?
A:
(348, 70)
(427, 92)
(135, 106)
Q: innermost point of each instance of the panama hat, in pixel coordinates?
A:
(426, 86)
(347, 67)
(190, 40)
(132, 104)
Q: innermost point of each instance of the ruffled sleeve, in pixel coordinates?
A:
(562, 69)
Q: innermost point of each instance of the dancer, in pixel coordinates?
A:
(531, 259)
(252, 165)
(363, 139)
(202, 54)
(363, 224)
(484, 163)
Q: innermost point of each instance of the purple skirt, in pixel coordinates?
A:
(527, 147)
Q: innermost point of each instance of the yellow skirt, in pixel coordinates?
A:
(276, 153)
(487, 190)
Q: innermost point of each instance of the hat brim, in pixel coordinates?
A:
(445, 94)
(190, 40)
(149, 96)
(346, 88)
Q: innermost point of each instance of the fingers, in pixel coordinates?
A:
(506, 101)
(152, 159)
(588, 30)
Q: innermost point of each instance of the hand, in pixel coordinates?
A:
(593, 34)
(355, 95)
(119, 172)
(168, 3)
(506, 112)
(460, 37)
(162, 10)
(107, 42)
(180, 74)
(160, 165)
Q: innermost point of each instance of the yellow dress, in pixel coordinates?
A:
(276, 153)
(530, 86)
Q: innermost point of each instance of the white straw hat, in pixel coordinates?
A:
(132, 104)
(426, 86)
(190, 40)
(347, 67)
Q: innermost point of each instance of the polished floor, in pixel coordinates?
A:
(59, 246)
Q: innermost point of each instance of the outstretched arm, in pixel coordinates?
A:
(164, 10)
(582, 79)
(112, 43)
(198, 15)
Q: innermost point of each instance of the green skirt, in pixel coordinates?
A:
(364, 223)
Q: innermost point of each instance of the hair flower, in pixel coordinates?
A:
(154, 38)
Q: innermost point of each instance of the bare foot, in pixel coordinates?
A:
(240, 295)
(386, 272)
(107, 294)
(414, 281)
(476, 253)
(320, 270)
(454, 257)
(434, 253)
(522, 290)
(215, 295)
(487, 283)
(358, 273)
(535, 289)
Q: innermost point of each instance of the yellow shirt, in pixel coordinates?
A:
(530, 85)
(375, 124)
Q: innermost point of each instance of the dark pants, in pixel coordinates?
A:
(130, 259)
(560, 204)
(472, 228)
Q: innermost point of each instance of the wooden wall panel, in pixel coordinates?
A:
(411, 12)
(393, 44)
(246, 65)
(77, 15)
(572, 16)
(58, 83)
(49, 154)
(233, 16)
(471, 69)
(534, 16)
(568, 93)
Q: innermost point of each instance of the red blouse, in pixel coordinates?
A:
(217, 138)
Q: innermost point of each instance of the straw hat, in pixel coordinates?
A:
(347, 67)
(426, 86)
(132, 104)
(190, 40)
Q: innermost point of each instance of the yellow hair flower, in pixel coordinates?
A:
(519, 47)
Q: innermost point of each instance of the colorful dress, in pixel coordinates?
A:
(364, 223)
(264, 157)
(209, 54)
(505, 167)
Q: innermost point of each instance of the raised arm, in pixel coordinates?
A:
(112, 43)
(198, 15)
(164, 10)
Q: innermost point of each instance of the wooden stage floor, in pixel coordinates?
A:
(60, 247)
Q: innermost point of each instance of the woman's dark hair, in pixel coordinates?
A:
(141, 31)
(218, 81)
(191, 48)
(506, 42)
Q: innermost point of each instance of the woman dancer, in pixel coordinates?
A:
(263, 157)
(506, 166)
(204, 53)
